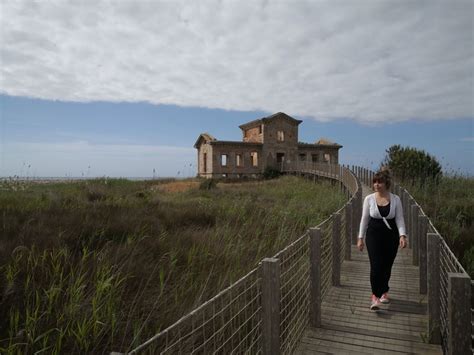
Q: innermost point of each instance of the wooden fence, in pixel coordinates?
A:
(267, 310)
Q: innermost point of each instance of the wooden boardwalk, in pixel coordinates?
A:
(348, 326)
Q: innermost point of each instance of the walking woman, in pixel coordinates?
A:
(383, 227)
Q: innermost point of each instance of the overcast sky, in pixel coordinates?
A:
(372, 64)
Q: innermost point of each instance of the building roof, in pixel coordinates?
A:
(270, 118)
(320, 143)
(204, 136)
(324, 141)
(216, 142)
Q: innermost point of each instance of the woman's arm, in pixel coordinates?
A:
(399, 218)
(364, 221)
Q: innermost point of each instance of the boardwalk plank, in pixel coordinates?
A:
(347, 324)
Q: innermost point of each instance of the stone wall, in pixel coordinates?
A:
(205, 152)
(231, 168)
(289, 146)
(319, 153)
(265, 140)
(254, 134)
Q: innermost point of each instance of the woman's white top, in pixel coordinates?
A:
(369, 208)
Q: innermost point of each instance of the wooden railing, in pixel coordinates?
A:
(442, 278)
(267, 310)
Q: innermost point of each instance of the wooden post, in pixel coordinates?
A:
(409, 220)
(459, 313)
(354, 203)
(315, 277)
(414, 234)
(349, 231)
(405, 207)
(336, 243)
(434, 319)
(356, 217)
(422, 230)
(406, 212)
(271, 306)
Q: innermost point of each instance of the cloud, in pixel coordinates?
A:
(467, 139)
(74, 159)
(372, 61)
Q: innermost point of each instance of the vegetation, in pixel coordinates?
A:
(208, 184)
(411, 164)
(449, 203)
(102, 265)
(448, 199)
(271, 173)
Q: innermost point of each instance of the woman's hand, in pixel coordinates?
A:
(403, 241)
(360, 244)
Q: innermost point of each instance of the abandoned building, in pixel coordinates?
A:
(267, 142)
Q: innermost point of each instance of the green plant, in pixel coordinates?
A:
(271, 173)
(410, 164)
(93, 276)
(208, 184)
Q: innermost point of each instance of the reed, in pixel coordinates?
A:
(449, 203)
(90, 266)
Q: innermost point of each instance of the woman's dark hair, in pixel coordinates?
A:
(383, 176)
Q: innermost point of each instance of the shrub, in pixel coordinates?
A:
(95, 194)
(208, 184)
(271, 173)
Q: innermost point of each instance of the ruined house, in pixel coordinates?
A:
(266, 142)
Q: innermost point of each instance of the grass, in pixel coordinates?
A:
(450, 206)
(100, 265)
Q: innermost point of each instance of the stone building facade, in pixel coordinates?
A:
(266, 142)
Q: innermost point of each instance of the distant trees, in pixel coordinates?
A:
(411, 164)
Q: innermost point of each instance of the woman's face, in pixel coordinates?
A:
(379, 186)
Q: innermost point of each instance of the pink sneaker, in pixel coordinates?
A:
(384, 298)
(375, 303)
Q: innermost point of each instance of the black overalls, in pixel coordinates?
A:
(382, 246)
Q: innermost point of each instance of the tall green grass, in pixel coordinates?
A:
(94, 266)
(450, 206)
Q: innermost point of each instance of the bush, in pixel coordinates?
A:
(208, 184)
(410, 164)
(271, 173)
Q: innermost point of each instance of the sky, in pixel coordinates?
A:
(123, 89)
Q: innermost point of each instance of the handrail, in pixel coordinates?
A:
(235, 320)
(442, 277)
(242, 317)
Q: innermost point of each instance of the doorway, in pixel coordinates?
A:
(280, 157)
